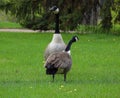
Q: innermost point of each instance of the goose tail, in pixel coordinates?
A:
(50, 70)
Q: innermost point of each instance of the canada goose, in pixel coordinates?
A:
(60, 62)
(57, 44)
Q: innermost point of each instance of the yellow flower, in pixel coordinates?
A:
(75, 90)
(114, 39)
(88, 40)
(43, 62)
(62, 86)
(69, 92)
(31, 87)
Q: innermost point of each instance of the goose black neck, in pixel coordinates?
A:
(69, 45)
(57, 24)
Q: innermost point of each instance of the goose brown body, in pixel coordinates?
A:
(59, 60)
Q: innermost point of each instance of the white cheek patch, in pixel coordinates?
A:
(69, 52)
(56, 11)
(76, 38)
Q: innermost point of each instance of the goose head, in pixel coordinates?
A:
(54, 9)
(74, 39)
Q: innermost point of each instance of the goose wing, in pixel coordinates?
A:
(59, 60)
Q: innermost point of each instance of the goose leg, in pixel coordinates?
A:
(53, 77)
(64, 76)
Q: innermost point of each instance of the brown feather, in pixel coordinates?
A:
(60, 60)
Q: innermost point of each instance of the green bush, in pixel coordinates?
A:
(85, 29)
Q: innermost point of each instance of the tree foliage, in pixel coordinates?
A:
(116, 9)
(2, 3)
(34, 13)
(106, 14)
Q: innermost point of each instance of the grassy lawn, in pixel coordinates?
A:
(10, 25)
(95, 72)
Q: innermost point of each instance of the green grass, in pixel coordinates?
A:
(95, 72)
(10, 25)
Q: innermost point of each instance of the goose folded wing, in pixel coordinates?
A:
(59, 60)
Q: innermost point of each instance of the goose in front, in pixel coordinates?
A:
(57, 44)
(60, 62)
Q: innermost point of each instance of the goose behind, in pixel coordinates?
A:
(60, 62)
(57, 44)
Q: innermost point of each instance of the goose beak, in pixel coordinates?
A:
(52, 8)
